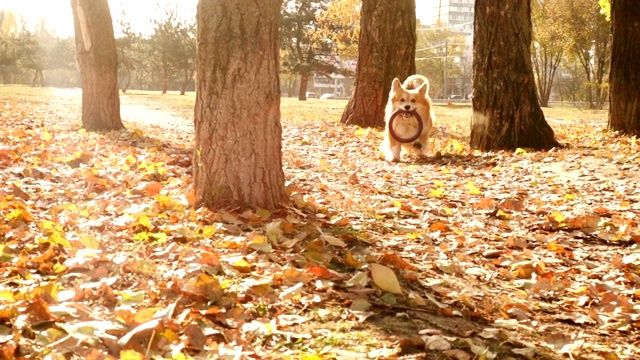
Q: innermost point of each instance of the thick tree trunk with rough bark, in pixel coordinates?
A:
(624, 78)
(506, 112)
(386, 51)
(98, 60)
(238, 149)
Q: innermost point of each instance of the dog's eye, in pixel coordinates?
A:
(402, 99)
(413, 100)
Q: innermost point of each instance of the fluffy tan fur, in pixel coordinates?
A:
(411, 95)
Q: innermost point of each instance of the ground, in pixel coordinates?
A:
(460, 255)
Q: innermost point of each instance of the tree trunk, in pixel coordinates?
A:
(238, 149)
(98, 60)
(165, 81)
(127, 83)
(386, 51)
(624, 78)
(304, 84)
(506, 113)
(188, 75)
(545, 65)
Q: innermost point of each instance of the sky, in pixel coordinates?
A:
(139, 12)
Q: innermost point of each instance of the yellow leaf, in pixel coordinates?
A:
(57, 239)
(360, 132)
(6, 296)
(59, 268)
(438, 183)
(311, 357)
(242, 265)
(159, 237)
(208, 231)
(90, 241)
(144, 221)
(47, 136)
(260, 243)
(396, 203)
(172, 337)
(503, 215)
(457, 146)
(145, 315)
(520, 151)
(352, 261)
(557, 217)
(569, 197)
(385, 278)
(473, 190)
(131, 160)
(436, 193)
(131, 355)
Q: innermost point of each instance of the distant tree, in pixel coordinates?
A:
(9, 53)
(386, 51)
(570, 85)
(33, 55)
(588, 33)
(174, 48)
(60, 54)
(436, 50)
(128, 57)
(162, 43)
(303, 49)
(9, 43)
(340, 23)
(185, 60)
(97, 57)
(549, 43)
(506, 112)
(238, 147)
(624, 109)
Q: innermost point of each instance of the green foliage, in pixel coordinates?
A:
(173, 45)
(302, 46)
(549, 44)
(589, 42)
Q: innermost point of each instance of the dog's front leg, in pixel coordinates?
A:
(392, 152)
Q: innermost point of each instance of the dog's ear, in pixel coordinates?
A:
(396, 85)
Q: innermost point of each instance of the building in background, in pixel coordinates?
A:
(456, 14)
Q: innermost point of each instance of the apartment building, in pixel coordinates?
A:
(458, 14)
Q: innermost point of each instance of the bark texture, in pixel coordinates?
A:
(238, 149)
(387, 50)
(506, 112)
(98, 60)
(624, 78)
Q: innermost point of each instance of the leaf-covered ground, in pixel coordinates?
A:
(462, 255)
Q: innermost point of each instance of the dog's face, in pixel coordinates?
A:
(408, 100)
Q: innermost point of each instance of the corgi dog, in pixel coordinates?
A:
(412, 95)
